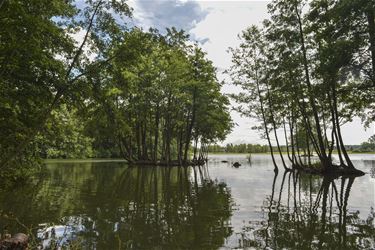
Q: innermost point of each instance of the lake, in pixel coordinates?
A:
(108, 205)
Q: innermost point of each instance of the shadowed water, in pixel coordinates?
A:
(107, 205)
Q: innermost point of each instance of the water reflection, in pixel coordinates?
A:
(112, 207)
(109, 206)
(312, 215)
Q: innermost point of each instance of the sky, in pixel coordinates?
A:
(216, 25)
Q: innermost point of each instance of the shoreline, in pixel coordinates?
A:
(58, 160)
(284, 153)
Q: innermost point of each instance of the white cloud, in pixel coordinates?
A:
(225, 20)
(161, 14)
(223, 23)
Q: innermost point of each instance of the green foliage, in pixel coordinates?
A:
(100, 96)
(64, 136)
(41, 65)
(158, 95)
(308, 71)
(29, 43)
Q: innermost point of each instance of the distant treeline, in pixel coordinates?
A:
(365, 147)
(368, 146)
(239, 148)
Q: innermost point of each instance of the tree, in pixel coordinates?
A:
(248, 62)
(307, 85)
(42, 65)
(30, 71)
(64, 136)
(158, 96)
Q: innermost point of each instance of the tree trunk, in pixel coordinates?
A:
(286, 142)
(190, 126)
(195, 148)
(156, 139)
(371, 30)
(144, 141)
(338, 130)
(265, 124)
(274, 127)
(308, 149)
(323, 155)
(180, 146)
(291, 129)
(334, 133)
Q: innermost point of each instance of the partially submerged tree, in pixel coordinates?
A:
(161, 95)
(140, 95)
(299, 74)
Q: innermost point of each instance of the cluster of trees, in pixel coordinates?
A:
(115, 91)
(238, 148)
(160, 95)
(306, 72)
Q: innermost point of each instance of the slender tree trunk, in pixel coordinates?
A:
(156, 139)
(286, 142)
(195, 148)
(163, 140)
(168, 131)
(333, 114)
(332, 143)
(138, 141)
(333, 132)
(371, 29)
(323, 155)
(306, 121)
(338, 130)
(180, 146)
(190, 126)
(325, 130)
(144, 141)
(291, 128)
(298, 149)
(338, 148)
(274, 127)
(308, 149)
(265, 124)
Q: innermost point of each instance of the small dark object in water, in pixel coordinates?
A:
(224, 161)
(236, 164)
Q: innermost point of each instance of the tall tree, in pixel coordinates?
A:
(41, 64)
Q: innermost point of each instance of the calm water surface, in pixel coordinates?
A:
(107, 205)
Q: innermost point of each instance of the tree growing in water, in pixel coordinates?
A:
(155, 94)
(161, 95)
(301, 75)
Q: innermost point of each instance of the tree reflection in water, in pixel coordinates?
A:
(136, 208)
(310, 213)
(164, 207)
